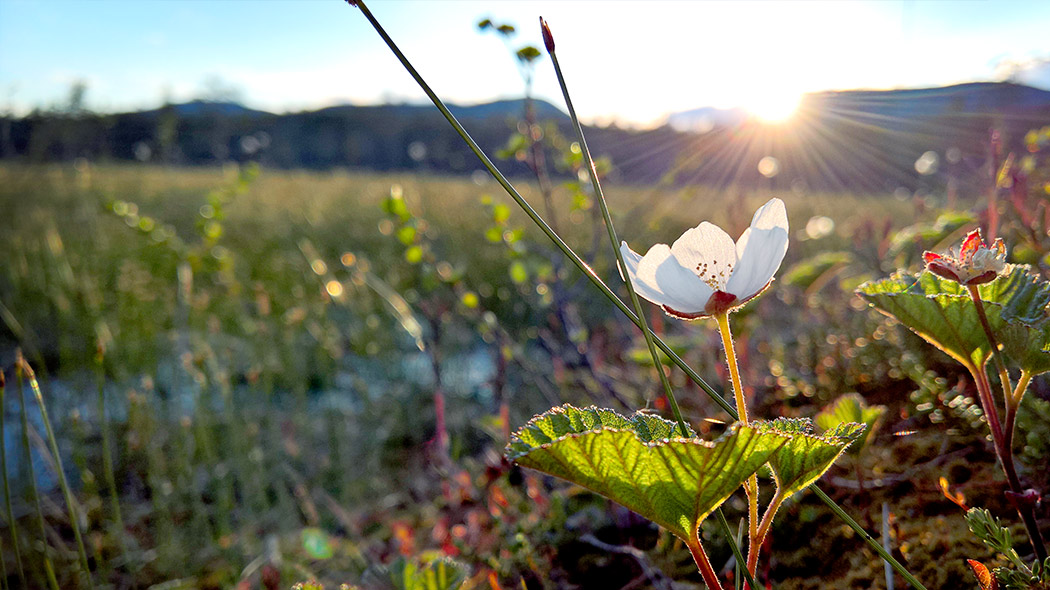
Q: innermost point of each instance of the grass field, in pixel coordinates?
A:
(258, 375)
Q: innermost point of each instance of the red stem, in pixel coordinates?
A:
(704, 565)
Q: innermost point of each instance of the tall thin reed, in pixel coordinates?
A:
(597, 281)
(49, 568)
(107, 448)
(11, 522)
(74, 521)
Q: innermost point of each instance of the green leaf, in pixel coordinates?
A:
(518, 274)
(406, 235)
(528, 53)
(675, 482)
(414, 254)
(500, 213)
(395, 205)
(941, 312)
(470, 299)
(806, 456)
(316, 543)
(851, 408)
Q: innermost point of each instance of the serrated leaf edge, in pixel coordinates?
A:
(513, 455)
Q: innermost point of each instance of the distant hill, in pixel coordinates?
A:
(199, 108)
(705, 119)
(860, 140)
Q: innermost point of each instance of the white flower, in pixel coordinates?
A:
(703, 273)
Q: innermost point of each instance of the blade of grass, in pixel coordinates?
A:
(74, 522)
(49, 568)
(597, 281)
(7, 489)
(107, 449)
(548, 41)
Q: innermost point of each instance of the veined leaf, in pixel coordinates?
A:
(851, 408)
(806, 456)
(941, 312)
(675, 482)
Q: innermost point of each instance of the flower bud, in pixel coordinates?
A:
(548, 39)
(975, 265)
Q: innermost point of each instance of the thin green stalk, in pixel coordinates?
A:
(548, 41)
(597, 281)
(7, 487)
(66, 493)
(107, 450)
(49, 568)
(734, 545)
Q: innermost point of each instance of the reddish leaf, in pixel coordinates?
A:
(984, 577)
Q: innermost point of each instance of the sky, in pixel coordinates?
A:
(625, 61)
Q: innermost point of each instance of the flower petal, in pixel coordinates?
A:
(760, 250)
(970, 245)
(708, 252)
(659, 278)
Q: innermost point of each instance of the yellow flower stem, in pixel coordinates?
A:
(734, 370)
(751, 485)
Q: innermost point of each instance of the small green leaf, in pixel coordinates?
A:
(395, 205)
(494, 234)
(500, 213)
(517, 142)
(414, 254)
(518, 274)
(851, 408)
(806, 456)
(528, 53)
(675, 482)
(513, 236)
(406, 235)
(470, 299)
(316, 543)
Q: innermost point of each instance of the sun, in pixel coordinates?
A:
(772, 105)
